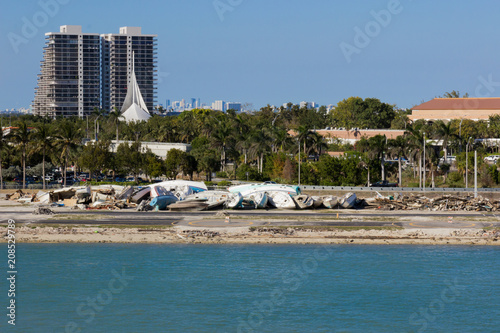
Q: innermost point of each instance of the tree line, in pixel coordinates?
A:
(254, 146)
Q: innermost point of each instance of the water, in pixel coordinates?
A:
(201, 288)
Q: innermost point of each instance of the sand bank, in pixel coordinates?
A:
(186, 235)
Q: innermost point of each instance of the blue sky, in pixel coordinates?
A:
(277, 51)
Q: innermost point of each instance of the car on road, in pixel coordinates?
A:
(384, 183)
(492, 158)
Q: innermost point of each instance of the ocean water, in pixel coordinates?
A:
(243, 288)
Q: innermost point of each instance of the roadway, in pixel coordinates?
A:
(358, 218)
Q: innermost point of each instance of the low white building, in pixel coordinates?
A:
(160, 149)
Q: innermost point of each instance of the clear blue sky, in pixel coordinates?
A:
(276, 51)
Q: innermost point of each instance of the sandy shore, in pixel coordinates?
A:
(185, 235)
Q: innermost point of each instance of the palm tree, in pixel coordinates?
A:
(22, 137)
(317, 144)
(397, 148)
(115, 116)
(67, 140)
(42, 142)
(414, 138)
(3, 147)
(303, 134)
(445, 132)
(221, 138)
(258, 147)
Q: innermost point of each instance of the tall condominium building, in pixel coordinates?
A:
(117, 50)
(81, 71)
(69, 79)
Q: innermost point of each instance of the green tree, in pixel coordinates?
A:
(22, 138)
(42, 143)
(115, 117)
(153, 165)
(3, 148)
(95, 157)
(397, 148)
(173, 163)
(444, 132)
(67, 140)
(130, 158)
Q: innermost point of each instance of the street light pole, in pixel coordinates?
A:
(467, 164)
(299, 162)
(423, 183)
(475, 173)
(95, 127)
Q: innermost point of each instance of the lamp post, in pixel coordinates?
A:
(475, 173)
(299, 162)
(460, 131)
(467, 164)
(95, 127)
(423, 183)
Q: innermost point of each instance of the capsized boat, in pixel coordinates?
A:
(303, 201)
(140, 195)
(257, 199)
(214, 199)
(330, 201)
(235, 200)
(247, 189)
(182, 188)
(190, 205)
(317, 202)
(162, 199)
(281, 200)
(348, 200)
(126, 193)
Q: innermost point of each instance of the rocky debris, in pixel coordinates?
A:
(442, 203)
(201, 233)
(274, 231)
(43, 211)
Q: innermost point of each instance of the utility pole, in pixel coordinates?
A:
(423, 183)
(475, 173)
(467, 164)
(299, 162)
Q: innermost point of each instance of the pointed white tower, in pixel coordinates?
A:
(134, 108)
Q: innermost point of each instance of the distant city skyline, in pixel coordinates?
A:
(263, 52)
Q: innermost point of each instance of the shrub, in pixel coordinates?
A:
(221, 174)
(224, 183)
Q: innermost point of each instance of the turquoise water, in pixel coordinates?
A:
(188, 288)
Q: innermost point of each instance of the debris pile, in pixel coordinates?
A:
(442, 203)
(200, 233)
(101, 197)
(43, 211)
(275, 231)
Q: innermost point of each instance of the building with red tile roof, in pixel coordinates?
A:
(447, 109)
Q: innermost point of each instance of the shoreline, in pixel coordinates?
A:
(184, 235)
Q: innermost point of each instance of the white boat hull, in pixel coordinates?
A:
(281, 200)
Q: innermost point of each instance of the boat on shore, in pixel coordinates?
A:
(235, 200)
(303, 201)
(162, 198)
(181, 188)
(330, 202)
(317, 202)
(247, 189)
(190, 205)
(281, 200)
(257, 199)
(214, 199)
(348, 201)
